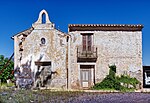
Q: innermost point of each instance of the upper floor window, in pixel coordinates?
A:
(87, 41)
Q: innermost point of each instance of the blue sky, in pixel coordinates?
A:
(18, 15)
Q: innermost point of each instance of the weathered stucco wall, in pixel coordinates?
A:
(122, 48)
(54, 51)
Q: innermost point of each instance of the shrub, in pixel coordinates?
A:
(126, 80)
(115, 83)
(110, 82)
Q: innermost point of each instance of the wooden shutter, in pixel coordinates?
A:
(84, 42)
(89, 37)
(87, 42)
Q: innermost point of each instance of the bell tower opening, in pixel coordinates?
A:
(43, 18)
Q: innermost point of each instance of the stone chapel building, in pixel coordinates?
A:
(45, 56)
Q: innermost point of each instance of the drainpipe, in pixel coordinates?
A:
(67, 61)
(69, 40)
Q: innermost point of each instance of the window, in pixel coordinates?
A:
(43, 41)
(87, 41)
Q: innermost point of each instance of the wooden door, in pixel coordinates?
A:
(85, 78)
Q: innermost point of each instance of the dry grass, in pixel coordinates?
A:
(50, 96)
(38, 96)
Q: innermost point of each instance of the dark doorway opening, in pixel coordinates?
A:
(146, 76)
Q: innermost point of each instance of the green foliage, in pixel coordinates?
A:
(112, 69)
(6, 73)
(112, 82)
(6, 85)
(127, 81)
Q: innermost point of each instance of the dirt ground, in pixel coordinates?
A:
(47, 96)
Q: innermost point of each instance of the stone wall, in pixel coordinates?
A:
(122, 48)
(54, 50)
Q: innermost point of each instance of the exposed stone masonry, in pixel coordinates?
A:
(54, 62)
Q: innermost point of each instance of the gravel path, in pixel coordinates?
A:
(113, 98)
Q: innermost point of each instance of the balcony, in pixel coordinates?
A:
(86, 55)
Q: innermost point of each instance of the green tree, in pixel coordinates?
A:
(6, 68)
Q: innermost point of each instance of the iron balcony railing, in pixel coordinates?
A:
(86, 53)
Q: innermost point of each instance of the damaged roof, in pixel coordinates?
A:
(28, 31)
(25, 32)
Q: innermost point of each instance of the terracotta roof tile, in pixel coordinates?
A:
(105, 27)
